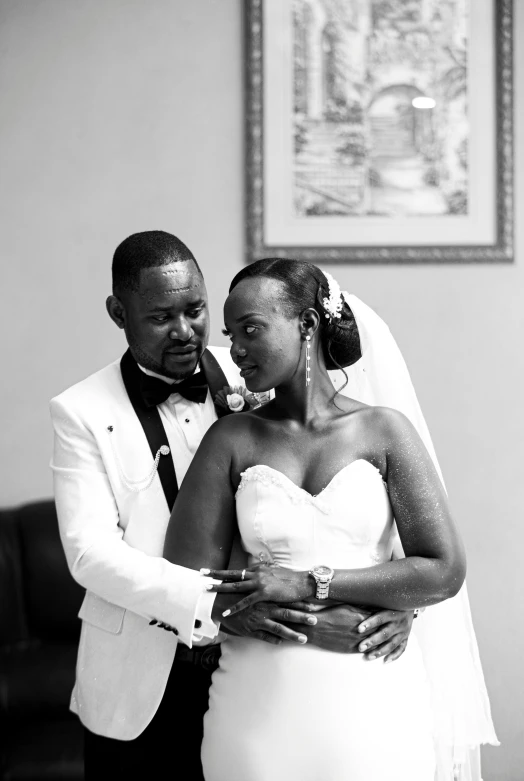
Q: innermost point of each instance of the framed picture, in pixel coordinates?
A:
(379, 130)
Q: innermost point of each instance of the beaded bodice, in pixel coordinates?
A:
(348, 524)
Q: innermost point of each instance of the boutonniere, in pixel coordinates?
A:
(238, 399)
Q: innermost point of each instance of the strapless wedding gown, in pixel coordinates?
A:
(298, 713)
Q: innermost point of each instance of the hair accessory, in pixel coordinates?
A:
(308, 360)
(333, 304)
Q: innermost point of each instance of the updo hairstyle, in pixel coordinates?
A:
(305, 286)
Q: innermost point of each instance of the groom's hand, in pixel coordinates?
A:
(348, 629)
(270, 622)
(385, 634)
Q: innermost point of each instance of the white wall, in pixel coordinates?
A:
(126, 115)
(123, 115)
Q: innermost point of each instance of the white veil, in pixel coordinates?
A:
(460, 704)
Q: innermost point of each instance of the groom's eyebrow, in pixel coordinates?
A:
(168, 307)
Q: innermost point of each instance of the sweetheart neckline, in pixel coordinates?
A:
(304, 490)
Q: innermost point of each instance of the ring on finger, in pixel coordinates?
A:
(243, 575)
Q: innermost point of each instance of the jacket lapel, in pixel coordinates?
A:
(151, 422)
(216, 379)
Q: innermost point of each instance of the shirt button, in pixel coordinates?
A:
(187, 420)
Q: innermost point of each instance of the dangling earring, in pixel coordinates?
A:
(308, 360)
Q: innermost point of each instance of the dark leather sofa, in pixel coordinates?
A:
(39, 630)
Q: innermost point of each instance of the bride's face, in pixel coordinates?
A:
(265, 343)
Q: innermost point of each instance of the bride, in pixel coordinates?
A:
(337, 499)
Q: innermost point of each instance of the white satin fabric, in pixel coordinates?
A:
(460, 704)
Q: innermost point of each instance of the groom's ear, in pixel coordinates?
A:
(115, 310)
(309, 322)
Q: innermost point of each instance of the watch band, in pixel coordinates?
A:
(323, 576)
(322, 590)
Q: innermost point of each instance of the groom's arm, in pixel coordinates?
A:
(348, 629)
(342, 628)
(99, 559)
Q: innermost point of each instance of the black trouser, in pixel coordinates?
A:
(170, 745)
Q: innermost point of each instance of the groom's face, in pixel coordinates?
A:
(167, 319)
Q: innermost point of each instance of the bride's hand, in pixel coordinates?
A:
(263, 583)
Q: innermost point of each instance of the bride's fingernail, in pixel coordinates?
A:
(226, 613)
(312, 620)
(362, 628)
(205, 571)
(302, 639)
(209, 587)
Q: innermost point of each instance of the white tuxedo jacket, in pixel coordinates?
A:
(113, 539)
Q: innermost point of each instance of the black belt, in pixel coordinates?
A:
(206, 656)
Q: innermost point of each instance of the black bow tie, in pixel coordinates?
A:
(155, 391)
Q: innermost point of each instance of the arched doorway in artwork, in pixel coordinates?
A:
(397, 129)
(403, 173)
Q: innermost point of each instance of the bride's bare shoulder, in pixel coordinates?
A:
(389, 422)
(385, 418)
(231, 427)
(229, 440)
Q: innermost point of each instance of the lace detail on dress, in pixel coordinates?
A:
(269, 476)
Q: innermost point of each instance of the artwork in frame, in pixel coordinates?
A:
(379, 130)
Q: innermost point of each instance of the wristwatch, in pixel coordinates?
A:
(323, 576)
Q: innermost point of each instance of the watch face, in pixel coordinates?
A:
(323, 572)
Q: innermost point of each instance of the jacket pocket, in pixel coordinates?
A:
(101, 613)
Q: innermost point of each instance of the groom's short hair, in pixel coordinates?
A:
(146, 250)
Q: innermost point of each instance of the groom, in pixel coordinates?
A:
(124, 439)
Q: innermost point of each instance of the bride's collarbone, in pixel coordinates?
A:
(308, 453)
(325, 435)
(345, 413)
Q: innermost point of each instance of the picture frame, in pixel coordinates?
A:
(349, 200)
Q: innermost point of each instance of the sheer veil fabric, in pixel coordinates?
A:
(460, 704)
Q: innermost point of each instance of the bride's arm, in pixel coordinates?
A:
(435, 565)
(203, 522)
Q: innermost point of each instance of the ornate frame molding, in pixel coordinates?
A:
(501, 251)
